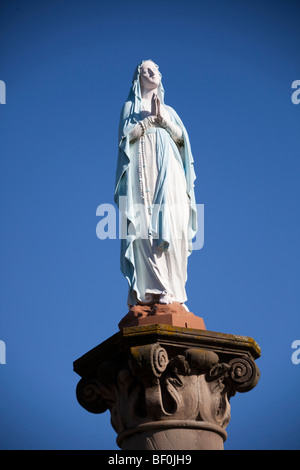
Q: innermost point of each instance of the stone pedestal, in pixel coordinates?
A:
(167, 387)
(163, 314)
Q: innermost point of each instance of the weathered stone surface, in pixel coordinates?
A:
(167, 388)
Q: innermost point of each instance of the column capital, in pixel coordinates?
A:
(167, 387)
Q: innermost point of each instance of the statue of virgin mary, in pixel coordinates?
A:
(155, 193)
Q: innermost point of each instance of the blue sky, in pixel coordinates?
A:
(227, 69)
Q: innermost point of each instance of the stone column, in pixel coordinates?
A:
(167, 387)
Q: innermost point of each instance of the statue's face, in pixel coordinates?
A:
(149, 75)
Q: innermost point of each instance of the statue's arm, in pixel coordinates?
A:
(174, 130)
(164, 121)
(140, 128)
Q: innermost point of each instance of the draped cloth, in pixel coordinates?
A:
(155, 247)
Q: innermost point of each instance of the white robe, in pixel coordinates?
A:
(162, 272)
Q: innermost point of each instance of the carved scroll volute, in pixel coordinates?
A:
(244, 374)
(148, 362)
(223, 380)
(97, 392)
(241, 374)
(89, 394)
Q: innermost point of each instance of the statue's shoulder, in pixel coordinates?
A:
(126, 108)
(173, 114)
(169, 108)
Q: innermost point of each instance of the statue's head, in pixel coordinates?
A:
(147, 75)
(150, 76)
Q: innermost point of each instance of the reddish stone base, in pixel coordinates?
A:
(164, 314)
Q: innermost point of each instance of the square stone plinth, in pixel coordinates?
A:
(174, 314)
